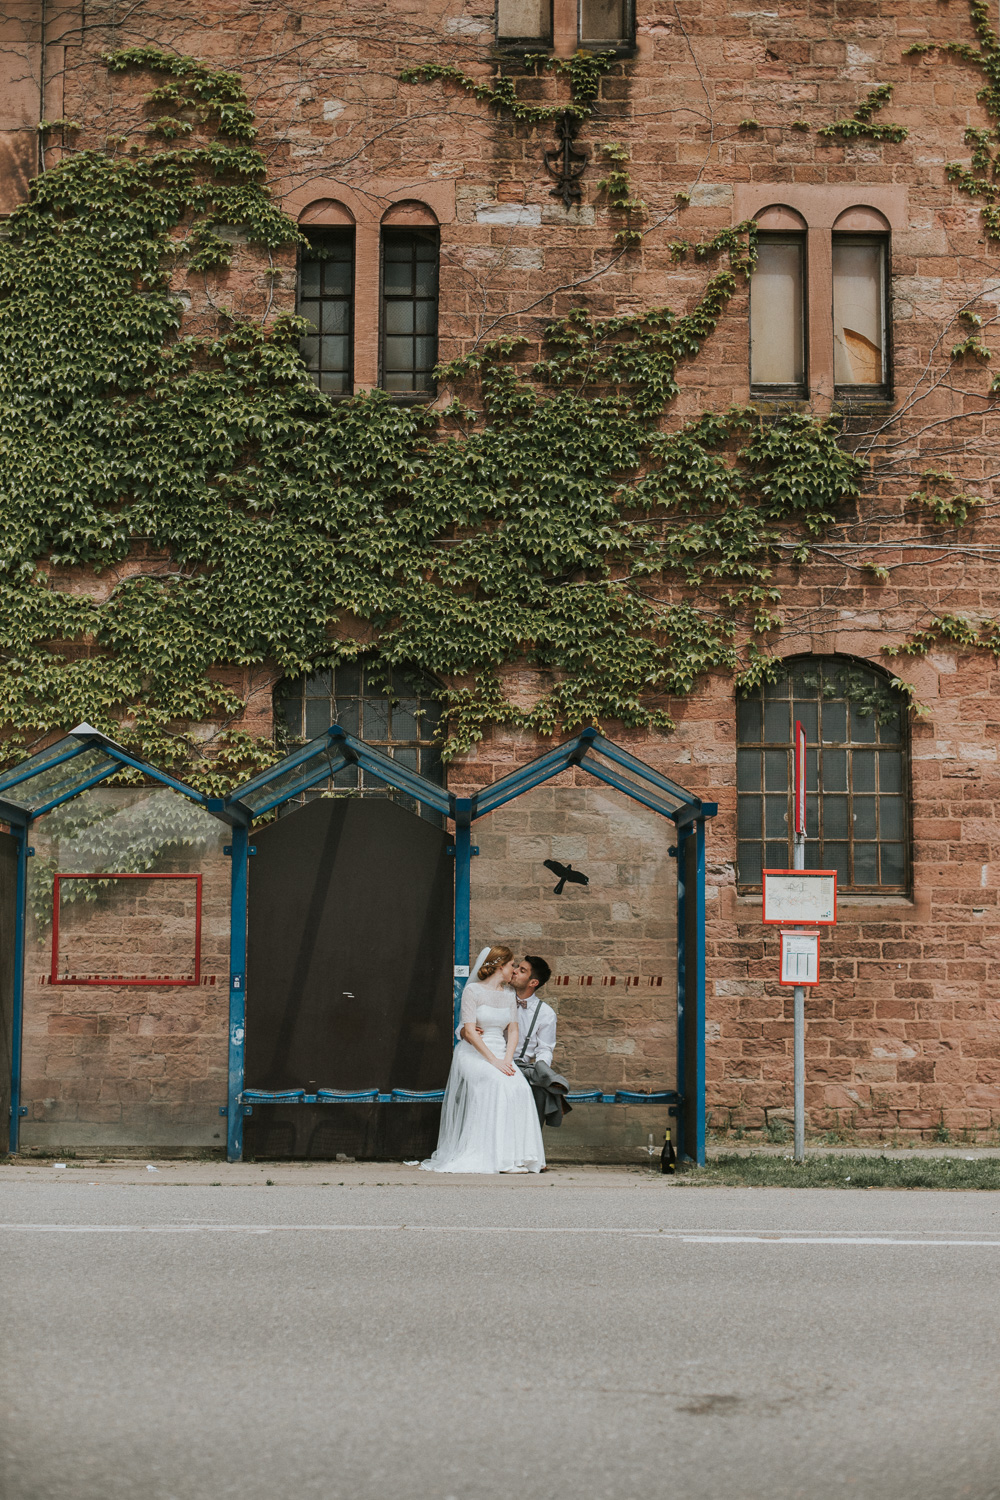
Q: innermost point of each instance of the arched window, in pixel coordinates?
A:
(856, 775)
(390, 708)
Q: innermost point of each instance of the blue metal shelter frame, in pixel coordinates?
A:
(336, 750)
(81, 760)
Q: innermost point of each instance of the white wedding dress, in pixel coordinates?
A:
(488, 1119)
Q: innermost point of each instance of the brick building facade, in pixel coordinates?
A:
(870, 254)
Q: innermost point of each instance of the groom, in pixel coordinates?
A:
(536, 1023)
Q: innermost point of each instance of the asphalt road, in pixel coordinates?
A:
(577, 1336)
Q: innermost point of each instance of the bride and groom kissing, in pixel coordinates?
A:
(501, 1084)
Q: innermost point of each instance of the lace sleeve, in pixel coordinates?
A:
(470, 1004)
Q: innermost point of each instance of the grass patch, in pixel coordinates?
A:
(834, 1171)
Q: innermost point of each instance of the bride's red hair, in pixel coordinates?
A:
(495, 959)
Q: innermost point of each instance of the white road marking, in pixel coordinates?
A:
(677, 1236)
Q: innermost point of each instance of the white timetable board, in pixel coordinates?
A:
(808, 896)
(799, 957)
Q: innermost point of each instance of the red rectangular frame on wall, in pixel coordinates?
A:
(112, 979)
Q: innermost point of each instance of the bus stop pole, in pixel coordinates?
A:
(799, 994)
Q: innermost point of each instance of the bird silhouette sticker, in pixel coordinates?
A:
(566, 872)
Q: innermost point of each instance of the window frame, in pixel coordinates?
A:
(786, 391)
(525, 43)
(352, 781)
(882, 391)
(412, 397)
(625, 43)
(814, 798)
(346, 232)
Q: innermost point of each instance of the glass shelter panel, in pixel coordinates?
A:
(127, 982)
(856, 812)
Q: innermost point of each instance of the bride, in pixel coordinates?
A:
(488, 1118)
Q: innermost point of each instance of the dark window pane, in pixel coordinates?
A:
(893, 871)
(890, 818)
(834, 723)
(337, 278)
(336, 317)
(431, 765)
(326, 298)
(814, 856)
(404, 720)
(405, 756)
(812, 771)
(862, 725)
(890, 729)
(409, 309)
(399, 316)
(866, 864)
(347, 779)
(348, 714)
(317, 717)
(890, 771)
(376, 719)
(835, 858)
(812, 817)
(748, 720)
(808, 715)
(748, 858)
(748, 811)
(835, 770)
(291, 712)
(319, 685)
(864, 817)
(835, 824)
(777, 723)
(776, 770)
(863, 771)
(748, 770)
(776, 856)
(775, 817)
(778, 689)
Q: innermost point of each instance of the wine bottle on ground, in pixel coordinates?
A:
(668, 1156)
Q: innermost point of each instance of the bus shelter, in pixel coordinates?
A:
(47, 781)
(325, 758)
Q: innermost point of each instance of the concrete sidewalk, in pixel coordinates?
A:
(188, 1173)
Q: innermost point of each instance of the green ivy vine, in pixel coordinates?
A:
(228, 516)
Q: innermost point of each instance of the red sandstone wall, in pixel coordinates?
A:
(905, 1028)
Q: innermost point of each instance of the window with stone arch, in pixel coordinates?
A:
(857, 781)
(391, 708)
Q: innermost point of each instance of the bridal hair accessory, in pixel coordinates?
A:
(495, 959)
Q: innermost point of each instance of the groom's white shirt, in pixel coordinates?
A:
(543, 1037)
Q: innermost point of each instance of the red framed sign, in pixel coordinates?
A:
(146, 980)
(799, 956)
(800, 777)
(800, 896)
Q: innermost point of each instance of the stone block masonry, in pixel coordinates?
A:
(721, 111)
